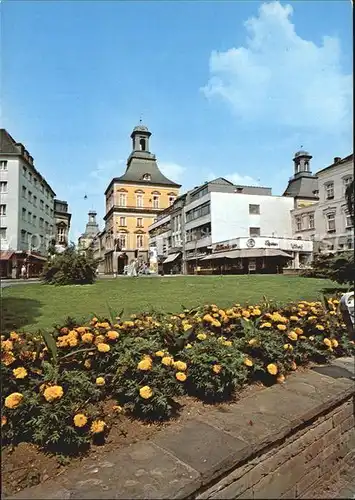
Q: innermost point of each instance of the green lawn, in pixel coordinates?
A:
(40, 306)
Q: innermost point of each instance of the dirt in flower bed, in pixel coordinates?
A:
(27, 465)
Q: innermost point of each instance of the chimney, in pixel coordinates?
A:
(337, 159)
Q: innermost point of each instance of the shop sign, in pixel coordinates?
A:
(269, 243)
(296, 246)
(250, 243)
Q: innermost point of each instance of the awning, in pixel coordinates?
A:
(171, 258)
(248, 253)
(6, 254)
(223, 255)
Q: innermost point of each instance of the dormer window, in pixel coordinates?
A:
(147, 177)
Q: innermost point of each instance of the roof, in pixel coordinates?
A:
(302, 152)
(140, 128)
(346, 159)
(302, 187)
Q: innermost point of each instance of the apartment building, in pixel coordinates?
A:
(26, 210)
(214, 212)
(327, 221)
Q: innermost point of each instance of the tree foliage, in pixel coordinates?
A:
(337, 267)
(70, 267)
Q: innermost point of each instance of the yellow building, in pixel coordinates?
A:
(132, 204)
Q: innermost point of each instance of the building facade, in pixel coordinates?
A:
(91, 231)
(215, 212)
(133, 201)
(327, 221)
(62, 220)
(26, 210)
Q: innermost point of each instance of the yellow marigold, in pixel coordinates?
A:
(301, 305)
(3, 420)
(217, 368)
(145, 392)
(14, 400)
(145, 364)
(256, 312)
(312, 318)
(117, 409)
(100, 381)
(87, 338)
(7, 358)
(112, 335)
(73, 342)
(288, 347)
(302, 313)
(20, 372)
(245, 314)
(160, 354)
(281, 327)
(294, 318)
(208, 318)
(101, 347)
(97, 426)
(129, 324)
(320, 327)
(248, 362)
(216, 323)
(272, 369)
(99, 339)
(53, 392)
(292, 336)
(332, 313)
(265, 325)
(188, 346)
(327, 342)
(180, 365)
(7, 345)
(281, 379)
(335, 343)
(186, 327)
(293, 365)
(81, 329)
(181, 376)
(303, 337)
(104, 324)
(87, 364)
(167, 360)
(14, 336)
(335, 301)
(299, 331)
(228, 343)
(253, 342)
(80, 420)
(42, 387)
(221, 312)
(201, 336)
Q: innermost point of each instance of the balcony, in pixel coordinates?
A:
(202, 242)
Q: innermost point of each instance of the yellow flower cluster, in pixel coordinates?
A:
(53, 392)
(13, 400)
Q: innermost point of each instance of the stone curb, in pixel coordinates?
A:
(178, 462)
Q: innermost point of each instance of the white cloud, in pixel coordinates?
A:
(173, 171)
(244, 180)
(281, 78)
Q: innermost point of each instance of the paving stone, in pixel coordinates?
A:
(205, 448)
(140, 471)
(334, 371)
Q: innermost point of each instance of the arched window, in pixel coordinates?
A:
(147, 177)
(142, 144)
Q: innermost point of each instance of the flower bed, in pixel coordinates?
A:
(55, 386)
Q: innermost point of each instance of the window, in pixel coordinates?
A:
(30, 177)
(200, 211)
(140, 240)
(171, 200)
(46, 226)
(34, 200)
(41, 220)
(122, 221)
(30, 196)
(24, 192)
(24, 171)
(311, 221)
(3, 187)
(155, 201)
(47, 209)
(142, 144)
(329, 191)
(254, 209)
(122, 240)
(35, 182)
(254, 231)
(331, 221)
(51, 212)
(34, 220)
(2, 209)
(24, 214)
(3, 233)
(348, 221)
(41, 204)
(347, 181)
(23, 236)
(139, 200)
(122, 199)
(29, 217)
(350, 243)
(147, 177)
(42, 188)
(298, 220)
(3, 165)
(139, 222)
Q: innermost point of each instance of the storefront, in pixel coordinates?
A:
(173, 263)
(12, 262)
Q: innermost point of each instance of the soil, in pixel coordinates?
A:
(27, 465)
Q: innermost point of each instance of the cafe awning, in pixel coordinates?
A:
(248, 253)
(6, 254)
(171, 258)
(223, 255)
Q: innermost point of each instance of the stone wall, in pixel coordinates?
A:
(295, 467)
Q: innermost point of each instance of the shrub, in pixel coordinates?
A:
(70, 267)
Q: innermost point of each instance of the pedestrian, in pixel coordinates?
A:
(23, 271)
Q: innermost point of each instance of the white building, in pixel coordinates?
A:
(326, 220)
(26, 210)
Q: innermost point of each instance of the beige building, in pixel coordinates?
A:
(326, 220)
(62, 220)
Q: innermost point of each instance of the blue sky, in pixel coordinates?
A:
(227, 89)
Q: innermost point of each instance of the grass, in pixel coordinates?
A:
(38, 306)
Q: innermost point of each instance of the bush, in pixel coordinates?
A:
(338, 267)
(70, 268)
(57, 387)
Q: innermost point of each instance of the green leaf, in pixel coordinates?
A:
(51, 344)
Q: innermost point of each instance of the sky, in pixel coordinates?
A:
(229, 89)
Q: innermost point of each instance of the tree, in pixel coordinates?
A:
(338, 267)
(349, 195)
(70, 267)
